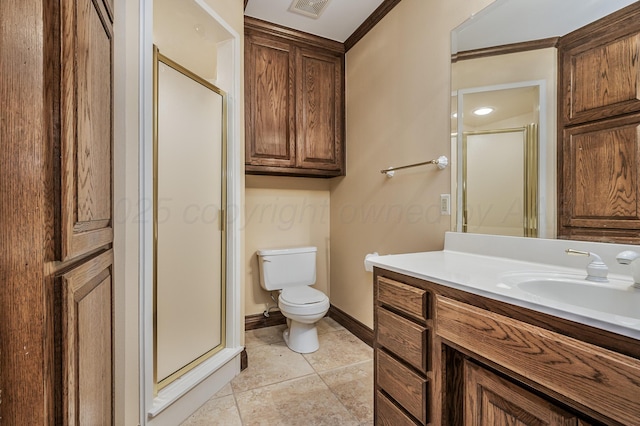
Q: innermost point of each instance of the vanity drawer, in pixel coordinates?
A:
(406, 298)
(403, 385)
(388, 413)
(600, 379)
(404, 338)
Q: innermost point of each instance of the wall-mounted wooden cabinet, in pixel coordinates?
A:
(443, 356)
(598, 132)
(294, 102)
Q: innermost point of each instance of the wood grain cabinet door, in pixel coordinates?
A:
(493, 401)
(319, 110)
(600, 189)
(84, 323)
(269, 103)
(86, 127)
(601, 80)
(600, 68)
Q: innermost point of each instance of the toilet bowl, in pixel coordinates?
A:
(303, 307)
(291, 271)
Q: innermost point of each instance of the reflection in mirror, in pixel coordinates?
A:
(521, 92)
(480, 60)
(506, 22)
(499, 157)
(499, 177)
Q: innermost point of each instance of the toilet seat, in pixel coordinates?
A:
(302, 300)
(302, 295)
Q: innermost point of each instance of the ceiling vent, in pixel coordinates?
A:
(311, 8)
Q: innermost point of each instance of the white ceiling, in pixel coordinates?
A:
(506, 104)
(514, 21)
(339, 20)
(188, 35)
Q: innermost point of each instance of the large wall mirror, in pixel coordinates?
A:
(504, 162)
(189, 253)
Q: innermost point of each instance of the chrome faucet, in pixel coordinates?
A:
(630, 257)
(597, 270)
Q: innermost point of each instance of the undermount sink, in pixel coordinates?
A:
(616, 297)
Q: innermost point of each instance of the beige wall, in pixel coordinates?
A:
(283, 212)
(397, 94)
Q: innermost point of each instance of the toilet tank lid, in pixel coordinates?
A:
(290, 250)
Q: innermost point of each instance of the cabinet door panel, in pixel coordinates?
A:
(270, 103)
(87, 128)
(602, 80)
(493, 401)
(599, 169)
(319, 106)
(86, 294)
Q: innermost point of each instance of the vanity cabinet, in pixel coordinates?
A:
(486, 362)
(294, 102)
(599, 130)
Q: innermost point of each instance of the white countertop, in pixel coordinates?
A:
(460, 266)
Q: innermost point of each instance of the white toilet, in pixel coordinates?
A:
(292, 271)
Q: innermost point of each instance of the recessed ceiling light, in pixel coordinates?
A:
(483, 111)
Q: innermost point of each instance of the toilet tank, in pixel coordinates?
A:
(287, 267)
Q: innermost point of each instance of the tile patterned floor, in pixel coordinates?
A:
(332, 386)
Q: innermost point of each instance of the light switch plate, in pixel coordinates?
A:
(445, 204)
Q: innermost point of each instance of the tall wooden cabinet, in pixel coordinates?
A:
(599, 130)
(294, 102)
(56, 222)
